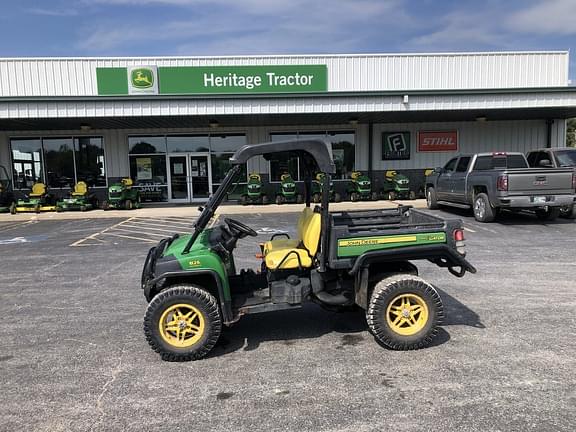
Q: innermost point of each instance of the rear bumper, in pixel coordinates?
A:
(532, 201)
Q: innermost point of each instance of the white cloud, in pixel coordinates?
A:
(550, 17)
(53, 12)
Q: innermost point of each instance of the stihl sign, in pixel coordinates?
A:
(437, 141)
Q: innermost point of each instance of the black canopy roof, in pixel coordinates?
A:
(319, 151)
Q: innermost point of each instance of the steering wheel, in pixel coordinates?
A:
(239, 228)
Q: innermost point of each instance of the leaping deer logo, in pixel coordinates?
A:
(142, 78)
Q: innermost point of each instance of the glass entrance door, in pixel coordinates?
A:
(190, 177)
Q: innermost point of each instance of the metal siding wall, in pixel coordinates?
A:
(77, 77)
(5, 158)
(473, 137)
(558, 133)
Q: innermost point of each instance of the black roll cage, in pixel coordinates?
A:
(315, 156)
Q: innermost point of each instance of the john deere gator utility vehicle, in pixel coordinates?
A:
(397, 186)
(80, 198)
(360, 187)
(37, 200)
(317, 189)
(7, 203)
(254, 191)
(339, 259)
(288, 192)
(122, 196)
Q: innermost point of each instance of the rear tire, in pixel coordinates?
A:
(548, 215)
(412, 195)
(337, 197)
(316, 198)
(392, 195)
(431, 199)
(128, 205)
(299, 199)
(193, 312)
(375, 196)
(354, 197)
(105, 205)
(244, 200)
(279, 199)
(404, 312)
(265, 199)
(483, 211)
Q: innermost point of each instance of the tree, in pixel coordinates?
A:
(571, 132)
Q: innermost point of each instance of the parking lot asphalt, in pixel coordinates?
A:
(73, 355)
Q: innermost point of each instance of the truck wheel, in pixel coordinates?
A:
(431, 199)
(404, 312)
(548, 215)
(483, 211)
(183, 323)
(568, 212)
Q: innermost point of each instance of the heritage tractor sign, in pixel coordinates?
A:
(190, 80)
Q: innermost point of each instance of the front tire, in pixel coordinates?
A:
(183, 323)
(404, 312)
(431, 198)
(483, 211)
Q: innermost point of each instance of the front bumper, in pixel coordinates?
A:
(535, 201)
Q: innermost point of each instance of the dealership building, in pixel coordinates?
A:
(171, 123)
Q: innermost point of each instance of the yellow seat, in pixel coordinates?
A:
(290, 258)
(80, 189)
(38, 190)
(127, 182)
(283, 243)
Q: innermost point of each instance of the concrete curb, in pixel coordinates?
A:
(192, 210)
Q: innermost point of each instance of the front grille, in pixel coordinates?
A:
(289, 189)
(115, 194)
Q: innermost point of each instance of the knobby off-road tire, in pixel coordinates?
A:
(483, 211)
(431, 199)
(404, 312)
(186, 307)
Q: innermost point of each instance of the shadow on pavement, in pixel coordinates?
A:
(505, 217)
(457, 313)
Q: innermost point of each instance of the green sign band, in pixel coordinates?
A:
(356, 246)
(191, 80)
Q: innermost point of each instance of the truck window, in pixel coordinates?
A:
(450, 165)
(534, 158)
(484, 163)
(566, 158)
(463, 164)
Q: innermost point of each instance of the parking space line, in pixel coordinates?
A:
(133, 238)
(469, 230)
(132, 225)
(138, 232)
(95, 235)
(171, 221)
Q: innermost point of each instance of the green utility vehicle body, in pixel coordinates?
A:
(122, 196)
(317, 189)
(397, 186)
(79, 199)
(340, 259)
(7, 201)
(360, 188)
(254, 191)
(288, 192)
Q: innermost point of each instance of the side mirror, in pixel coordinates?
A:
(545, 163)
(438, 170)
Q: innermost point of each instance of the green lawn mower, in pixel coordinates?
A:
(360, 188)
(397, 186)
(254, 191)
(7, 203)
(38, 200)
(80, 198)
(317, 189)
(288, 192)
(122, 196)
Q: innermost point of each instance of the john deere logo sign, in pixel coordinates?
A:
(142, 80)
(395, 145)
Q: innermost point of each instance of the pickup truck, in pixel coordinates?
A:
(555, 158)
(490, 182)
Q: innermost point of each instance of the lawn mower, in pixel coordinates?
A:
(360, 188)
(7, 203)
(339, 260)
(288, 192)
(317, 189)
(254, 191)
(397, 186)
(122, 196)
(80, 198)
(38, 200)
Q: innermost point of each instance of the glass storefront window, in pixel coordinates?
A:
(147, 144)
(343, 153)
(185, 144)
(89, 153)
(59, 162)
(226, 143)
(221, 165)
(27, 162)
(149, 175)
(282, 164)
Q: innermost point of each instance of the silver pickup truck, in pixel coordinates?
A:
(490, 182)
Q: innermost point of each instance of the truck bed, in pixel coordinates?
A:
(383, 231)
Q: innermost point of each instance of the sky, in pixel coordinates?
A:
(57, 28)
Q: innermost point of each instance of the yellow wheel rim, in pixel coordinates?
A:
(407, 314)
(182, 325)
